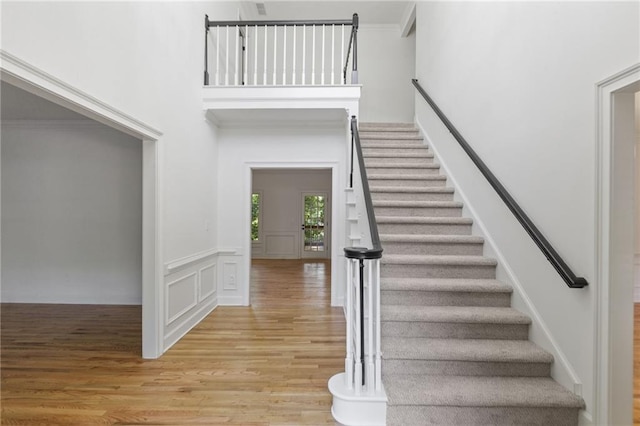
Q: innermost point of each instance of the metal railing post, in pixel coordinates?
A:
(354, 70)
(206, 50)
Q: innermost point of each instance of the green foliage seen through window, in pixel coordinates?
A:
(255, 215)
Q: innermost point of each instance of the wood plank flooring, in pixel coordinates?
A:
(636, 364)
(267, 364)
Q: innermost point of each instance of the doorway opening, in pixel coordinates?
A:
(291, 210)
(35, 82)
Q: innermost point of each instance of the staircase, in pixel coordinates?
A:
(454, 351)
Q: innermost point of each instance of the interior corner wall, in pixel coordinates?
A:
(636, 295)
(386, 65)
(281, 205)
(525, 101)
(71, 214)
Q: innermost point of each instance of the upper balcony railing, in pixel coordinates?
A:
(281, 53)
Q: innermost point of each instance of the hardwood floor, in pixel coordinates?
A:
(636, 364)
(266, 364)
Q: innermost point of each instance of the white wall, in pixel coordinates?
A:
(386, 65)
(145, 59)
(636, 295)
(246, 149)
(281, 209)
(71, 213)
(517, 79)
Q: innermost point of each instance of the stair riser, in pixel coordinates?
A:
(465, 368)
(388, 169)
(418, 183)
(397, 162)
(411, 196)
(442, 298)
(427, 228)
(470, 416)
(445, 330)
(471, 249)
(436, 271)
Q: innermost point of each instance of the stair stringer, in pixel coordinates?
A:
(561, 370)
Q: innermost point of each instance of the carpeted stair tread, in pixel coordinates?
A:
(407, 176)
(453, 314)
(414, 259)
(483, 350)
(401, 165)
(444, 284)
(408, 203)
(432, 239)
(423, 220)
(395, 136)
(385, 144)
(479, 391)
(412, 190)
(385, 124)
(424, 153)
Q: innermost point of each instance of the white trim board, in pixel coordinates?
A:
(19, 73)
(613, 401)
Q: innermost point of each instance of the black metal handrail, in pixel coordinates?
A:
(353, 41)
(359, 252)
(545, 246)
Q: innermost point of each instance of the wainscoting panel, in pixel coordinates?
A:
(182, 295)
(230, 276)
(191, 292)
(281, 246)
(208, 282)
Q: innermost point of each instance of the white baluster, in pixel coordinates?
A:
(313, 55)
(348, 361)
(333, 53)
(304, 54)
(284, 55)
(255, 56)
(369, 352)
(275, 52)
(226, 72)
(264, 71)
(358, 352)
(378, 360)
(245, 78)
(323, 55)
(237, 73)
(293, 77)
(342, 58)
(217, 55)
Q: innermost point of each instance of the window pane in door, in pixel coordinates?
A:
(314, 210)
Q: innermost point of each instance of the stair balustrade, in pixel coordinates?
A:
(363, 360)
(281, 53)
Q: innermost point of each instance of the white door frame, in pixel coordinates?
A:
(613, 302)
(21, 74)
(335, 196)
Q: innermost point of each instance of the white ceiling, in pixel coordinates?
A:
(369, 12)
(17, 104)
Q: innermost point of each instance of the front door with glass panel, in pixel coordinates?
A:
(314, 228)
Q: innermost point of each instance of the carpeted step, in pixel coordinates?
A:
(444, 292)
(398, 162)
(388, 152)
(395, 126)
(423, 266)
(391, 145)
(473, 400)
(418, 208)
(406, 180)
(409, 168)
(464, 357)
(454, 322)
(432, 244)
(424, 225)
(405, 193)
